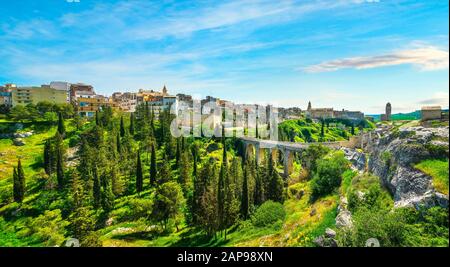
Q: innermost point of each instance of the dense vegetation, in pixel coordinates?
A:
(306, 130)
(373, 217)
(121, 179)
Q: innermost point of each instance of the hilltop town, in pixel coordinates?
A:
(86, 102)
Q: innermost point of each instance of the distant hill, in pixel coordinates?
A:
(415, 115)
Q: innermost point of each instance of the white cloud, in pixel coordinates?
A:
(426, 58)
(438, 98)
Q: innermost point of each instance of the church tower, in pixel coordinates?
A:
(164, 90)
(388, 111)
(309, 106)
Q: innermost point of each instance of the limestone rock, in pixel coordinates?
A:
(323, 241)
(393, 158)
(344, 219)
(18, 142)
(358, 159)
(330, 233)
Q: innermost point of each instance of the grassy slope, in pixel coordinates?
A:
(438, 170)
(300, 129)
(299, 229)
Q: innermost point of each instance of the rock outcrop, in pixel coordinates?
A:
(326, 240)
(393, 156)
(18, 142)
(357, 158)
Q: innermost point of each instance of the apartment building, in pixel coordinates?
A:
(34, 95)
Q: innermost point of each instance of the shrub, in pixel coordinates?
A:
(400, 227)
(134, 209)
(268, 213)
(328, 175)
(49, 228)
(74, 141)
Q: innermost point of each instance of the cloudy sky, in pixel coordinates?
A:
(351, 54)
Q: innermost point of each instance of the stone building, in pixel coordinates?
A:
(387, 115)
(327, 113)
(431, 113)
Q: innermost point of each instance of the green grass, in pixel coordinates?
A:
(302, 131)
(347, 178)
(438, 170)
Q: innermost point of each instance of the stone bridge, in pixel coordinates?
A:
(258, 147)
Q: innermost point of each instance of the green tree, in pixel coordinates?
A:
(311, 155)
(107, 195)
(164, 174)
(178, 154)
(118, 143)
(153, 171)
(59, 160)
(18, 183)
(328, 175)
(132, 123)
(139, 174)
(122, 127)
(244, 199)
(258, 196)
(169, 203)
(47, 157)
(322, 128)
(61, 126)
(184, 176)
(276, 184)
(96, 189)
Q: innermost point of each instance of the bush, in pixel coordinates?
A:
(402, 227)
(268, 213)
(74, 141)
(328, 175)
(134, 209)
(49, 228)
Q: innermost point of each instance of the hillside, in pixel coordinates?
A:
(306, 130)
(126, 182)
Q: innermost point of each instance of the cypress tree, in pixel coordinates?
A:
(59, 169)
(147, 111)
(275, 189)
(59, 160)
(97, 121)
(118, 143)
(139, 175)
(122, 127)
(178, 154)
(131, 123)
(18, 183)
(96, 189)
(322, 128)
(244, 199)
(153, 170)
(107, 196)
(61, 127)
(47, 157)
(221, 187)
(259, 192)
(194, 154)
(256, 134)
(353, 129)
(21, 175)
(164, 172)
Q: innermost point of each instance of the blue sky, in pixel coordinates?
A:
(351, 54)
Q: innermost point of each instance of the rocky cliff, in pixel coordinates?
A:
(392, 158)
